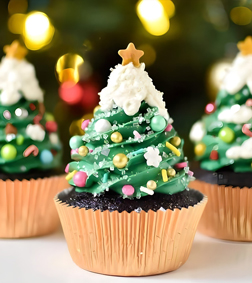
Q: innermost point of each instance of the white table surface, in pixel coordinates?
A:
(46, 260)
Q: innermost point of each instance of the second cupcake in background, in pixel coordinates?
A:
(223, 147)
(30, 151)
(129, 211)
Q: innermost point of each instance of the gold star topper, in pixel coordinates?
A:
(245, 46)
(131, 54)
(15, 50)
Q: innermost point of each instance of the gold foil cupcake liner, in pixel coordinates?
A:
(228, 213)
(27, 208)
(129, 244)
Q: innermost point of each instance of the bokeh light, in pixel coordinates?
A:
(17, 6)
(149, 56)
(71, 93)
(38, 30)
(241, 15)
(16, 23)
(169, 7)
(67, 67)
(153, 17)
(75, 127)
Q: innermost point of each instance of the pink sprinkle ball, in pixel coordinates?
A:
(67, 168)
(80, 179)
(51, 126)
(210, 108)
(84, 124)
(128, 190)
(168, 128)
(181, 165)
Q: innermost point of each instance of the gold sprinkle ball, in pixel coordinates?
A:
(171, 172)
(120, 160)
(176, 141)
(83, 150)
(116, 137)
(200, 149)
(96, 108)
(164, 175)
(152, 185)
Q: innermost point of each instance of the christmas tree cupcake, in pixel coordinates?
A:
(223, 147)
(129, 211)
(29, 151)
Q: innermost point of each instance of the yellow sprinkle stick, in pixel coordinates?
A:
(69, 176)
(173, 148)
(164, 175)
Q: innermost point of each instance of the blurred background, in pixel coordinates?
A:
(73, 44)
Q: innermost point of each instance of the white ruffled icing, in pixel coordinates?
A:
(237, 114)
(18, 76)
(239, 74)
(244, 151)
(197, 132)
(35, 132)
(127, 87)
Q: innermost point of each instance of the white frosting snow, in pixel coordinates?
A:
(127, 87)
(244, 151)
(18, 76)
(239, 74)
(35, 132)
(237, 114)
(197, 132)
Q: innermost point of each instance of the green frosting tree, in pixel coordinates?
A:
(223, 137)
(28, 136)
(129, 146)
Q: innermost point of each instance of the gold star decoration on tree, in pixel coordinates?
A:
(131, 54)
(245, 46)
(15, 50)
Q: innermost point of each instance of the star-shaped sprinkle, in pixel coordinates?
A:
(15, 50)
(131, 54)
(245, 46)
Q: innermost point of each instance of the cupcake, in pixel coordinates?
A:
(30, 152)
(223, 148)
(129, 211)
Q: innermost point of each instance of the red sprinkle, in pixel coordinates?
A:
(246, 130)
(37, 119)
(214, 155)
(51, 126)
(32, 149)
(181, 165)
(168, 128)
(32, 106)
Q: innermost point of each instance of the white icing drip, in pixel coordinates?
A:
(244, 151)
(236, 114)
(197, 132)
(15, 76)
(239, 74)
(127, 87)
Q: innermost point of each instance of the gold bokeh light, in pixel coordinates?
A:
(241, 16)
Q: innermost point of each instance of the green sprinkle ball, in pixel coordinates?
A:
(226, 134)
(158, 123)
(8, 152)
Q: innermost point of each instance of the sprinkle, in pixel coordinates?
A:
(181, 165)
(70, 175)
(51, 126)
(146, 190)
(37, 119)
(164, 175)
(10, 129)
(105, 177)
(105, 151)
(137, 135)
(32, 149)
(84, 124)
(190, 173)
(173, 148)
(128, 190)
(7, 114)
(168, 128)
(67, 168)
(246, 130)
(249, 102)
(32, 106)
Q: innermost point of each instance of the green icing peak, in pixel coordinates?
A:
(140, 141)
(219, 137)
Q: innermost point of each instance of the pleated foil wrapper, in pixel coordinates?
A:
(27, 208)
(129, 244)
(228, 213)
